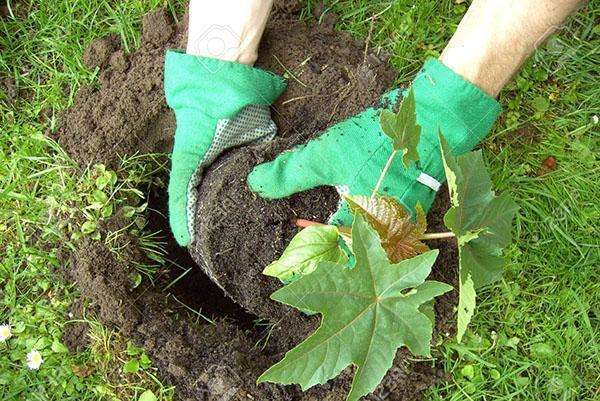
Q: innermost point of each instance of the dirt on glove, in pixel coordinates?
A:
(330, 77)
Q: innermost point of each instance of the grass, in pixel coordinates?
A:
(47, 202)
(535, 335)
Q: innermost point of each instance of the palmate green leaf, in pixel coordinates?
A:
(311, 245)
(402, 127)
(400, 237)
(368, 312)
(482, 223)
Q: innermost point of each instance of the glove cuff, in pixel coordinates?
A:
(464, 113)
(217, 88)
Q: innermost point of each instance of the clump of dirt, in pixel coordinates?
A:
(9, 87)
(286, 8)
(527, 134)
(330, 78)
(75, 335)
(100, 50)
(4, 10)
(125, 112)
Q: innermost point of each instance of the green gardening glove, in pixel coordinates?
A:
(351, 155)
(218, 105)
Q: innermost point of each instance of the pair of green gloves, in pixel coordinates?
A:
(220, 104)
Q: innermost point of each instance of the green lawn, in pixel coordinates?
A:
(535, 335)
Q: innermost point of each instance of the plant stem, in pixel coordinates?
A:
(447, 234)
(302, 223)
(383, 172)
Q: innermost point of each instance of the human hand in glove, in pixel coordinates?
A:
(351, 155)
(219, 100)
(455, 94)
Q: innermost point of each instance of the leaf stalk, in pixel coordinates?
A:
(448, 234)
(383, 172)
(303, 223)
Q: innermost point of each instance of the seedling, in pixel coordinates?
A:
(383, 301)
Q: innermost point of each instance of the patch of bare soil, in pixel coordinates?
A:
(330, 78)
(125, 112)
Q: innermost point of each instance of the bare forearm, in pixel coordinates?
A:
(227, 29)
(495, 38)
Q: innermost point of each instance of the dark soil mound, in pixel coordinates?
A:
(205, 362)
(125, 113)
(330, 78)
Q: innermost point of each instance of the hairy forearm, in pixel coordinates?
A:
(495, 37)
(227, 29)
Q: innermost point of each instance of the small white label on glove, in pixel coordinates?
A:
(429, 181)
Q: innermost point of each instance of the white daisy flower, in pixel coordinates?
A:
(34, 360)
(5, 333)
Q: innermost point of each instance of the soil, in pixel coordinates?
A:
(125, 112)
(4, 11)
(9, 87)
(330, 78)
(75, 337)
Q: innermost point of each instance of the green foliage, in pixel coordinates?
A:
(132, 350)
(354, 312)
(400, 237)
(402, 127)
(131, 366)
(357, 317)
(148, 395)
(368, 312)
(310, 246)
(481, 222)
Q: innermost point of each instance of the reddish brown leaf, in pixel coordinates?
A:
(548, 164)
(400, 237)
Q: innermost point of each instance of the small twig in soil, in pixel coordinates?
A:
(345, 91)
(302, 64)
(368, 41)
(289, 72)
(225, 251)
(294, 99)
